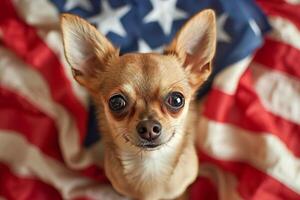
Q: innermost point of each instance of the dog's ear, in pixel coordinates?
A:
(195, 45)
(86, 50)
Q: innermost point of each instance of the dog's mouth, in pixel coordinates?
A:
(148, 145)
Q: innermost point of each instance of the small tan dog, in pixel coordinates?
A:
(145, 104)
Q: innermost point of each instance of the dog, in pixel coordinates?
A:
(145, 101)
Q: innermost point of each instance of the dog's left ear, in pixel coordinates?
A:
(195, 45)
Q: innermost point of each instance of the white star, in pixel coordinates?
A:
(85, 4)
(164, 12)
(143, 47)
(254, 27)
(109, 20)
(221, 33)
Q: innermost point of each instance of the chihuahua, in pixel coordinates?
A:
(146, 110)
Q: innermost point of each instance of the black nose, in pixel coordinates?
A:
(149, 129)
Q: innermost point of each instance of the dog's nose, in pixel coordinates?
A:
(149, 129)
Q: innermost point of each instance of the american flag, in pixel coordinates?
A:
(249, 120)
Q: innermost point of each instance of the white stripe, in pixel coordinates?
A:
(46, 21)
(261, 150)
(18, 77)
(39, 13)
(54, 42)
(228, 79)
(293, 1)
(284, 31)
(24, 157)
(226, 182)
(278, 92)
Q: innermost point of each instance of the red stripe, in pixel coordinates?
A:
(17, 114)
(285, 58)
(282, 9)
(245, 110)
(25, 42)
(83, 198)
(204, 189)
(95, 173)
(252, 183)
(13, 187)
(277, 1)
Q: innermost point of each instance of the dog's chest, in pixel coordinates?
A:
(148, 168)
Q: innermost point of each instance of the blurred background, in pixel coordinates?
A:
(249, 121)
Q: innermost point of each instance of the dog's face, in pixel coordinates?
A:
(145, 97)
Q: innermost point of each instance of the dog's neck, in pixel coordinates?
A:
(150, 174)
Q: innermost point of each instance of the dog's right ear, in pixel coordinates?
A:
(86, 50)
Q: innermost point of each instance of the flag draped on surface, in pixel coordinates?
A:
(249, 121)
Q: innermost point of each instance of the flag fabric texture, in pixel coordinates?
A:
(249, 119)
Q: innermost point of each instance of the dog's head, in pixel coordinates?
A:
(145, 97)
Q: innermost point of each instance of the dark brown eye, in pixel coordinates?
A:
(117, 103)
(174, 101)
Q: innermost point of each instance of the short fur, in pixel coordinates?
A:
(164, 172)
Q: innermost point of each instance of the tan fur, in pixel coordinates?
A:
(145, 79)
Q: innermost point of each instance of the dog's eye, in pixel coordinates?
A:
(117, 103)
(174, 101)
